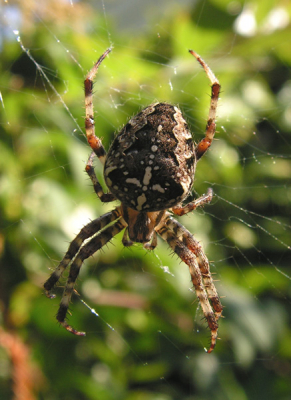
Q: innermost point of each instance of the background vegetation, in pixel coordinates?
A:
(148, 341)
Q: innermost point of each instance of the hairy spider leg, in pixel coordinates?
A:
(195, 247)
(191, 260)
(94, 142)
(86, 232)
(201, 201)
(95, 244)
(205, 143)
(104, 197)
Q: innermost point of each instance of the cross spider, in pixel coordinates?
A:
(150, 168)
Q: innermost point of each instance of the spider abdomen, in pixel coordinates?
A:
(151, 163)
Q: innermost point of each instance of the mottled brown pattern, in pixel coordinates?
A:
(154, 157)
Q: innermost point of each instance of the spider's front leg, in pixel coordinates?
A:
(199, 271)
(85, 233)
(87, 250)
(195, 247)
(99, 233)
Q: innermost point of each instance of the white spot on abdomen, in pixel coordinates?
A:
(109, 169)
(158, 188)
(147, 175)
(134, 181)
(140, 201)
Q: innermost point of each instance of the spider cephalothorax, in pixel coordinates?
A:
(150, 168)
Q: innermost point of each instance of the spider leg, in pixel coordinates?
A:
(104, 197)
(197, 277)
(94, 142)
(195, 247)
(95, 243)
(205, 143)
(86, 232)
(201, 201)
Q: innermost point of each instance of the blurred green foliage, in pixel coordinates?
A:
(147, 342)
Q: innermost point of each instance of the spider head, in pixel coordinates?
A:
(141, 224)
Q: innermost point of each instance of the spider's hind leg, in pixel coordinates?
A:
(200, 202)
(94, 142)
(104, 197)
(206, 142)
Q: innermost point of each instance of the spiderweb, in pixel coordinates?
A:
(245, 232)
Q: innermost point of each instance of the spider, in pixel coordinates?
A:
(150, 169)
